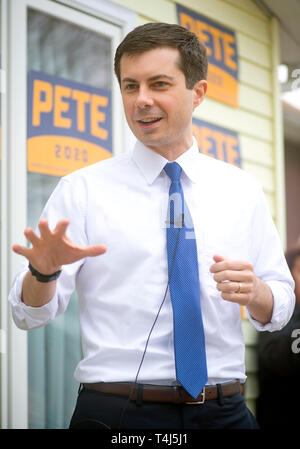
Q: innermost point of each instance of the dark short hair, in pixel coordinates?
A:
(193, 56)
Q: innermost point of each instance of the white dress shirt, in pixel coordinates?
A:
(122, 203)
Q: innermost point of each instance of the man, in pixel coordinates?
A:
(279, 365)
(130, 373)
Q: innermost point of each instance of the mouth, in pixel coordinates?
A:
(149, 122)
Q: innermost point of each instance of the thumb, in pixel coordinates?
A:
(95, 250)
(217, 258)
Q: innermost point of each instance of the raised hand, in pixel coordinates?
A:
(53, 248)
(238, 283)
(235, 279)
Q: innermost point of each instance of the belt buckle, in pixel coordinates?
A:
(199, 402)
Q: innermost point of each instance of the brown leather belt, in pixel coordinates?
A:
(171, 394)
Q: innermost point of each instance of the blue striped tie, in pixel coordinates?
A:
(189, 340)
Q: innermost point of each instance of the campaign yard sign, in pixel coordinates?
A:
(222, 55)
(69, 124)
(217, 142)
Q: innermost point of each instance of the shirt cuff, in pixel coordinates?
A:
(284, 304)
(28, 317)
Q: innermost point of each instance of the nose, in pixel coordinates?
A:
(144, 98)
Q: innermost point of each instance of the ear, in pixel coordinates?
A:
(199, 89)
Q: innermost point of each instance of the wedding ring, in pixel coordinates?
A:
(239, 290)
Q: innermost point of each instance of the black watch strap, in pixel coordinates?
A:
(44, 277)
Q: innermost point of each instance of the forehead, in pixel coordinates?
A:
(151, 62)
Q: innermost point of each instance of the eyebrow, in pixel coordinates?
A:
(152, 78)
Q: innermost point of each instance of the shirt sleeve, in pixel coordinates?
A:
(64, 203)
(270, 265)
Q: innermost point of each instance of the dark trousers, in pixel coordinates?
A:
(101, 410)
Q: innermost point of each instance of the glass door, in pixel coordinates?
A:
(72, 108)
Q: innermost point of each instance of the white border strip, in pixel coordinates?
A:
(16, 203)
(3, 236)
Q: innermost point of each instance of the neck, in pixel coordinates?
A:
(172, 152)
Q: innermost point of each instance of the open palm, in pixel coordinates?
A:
(53, 248)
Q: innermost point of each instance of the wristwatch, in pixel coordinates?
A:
(44, 277)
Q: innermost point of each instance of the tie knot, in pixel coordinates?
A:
(173, 170)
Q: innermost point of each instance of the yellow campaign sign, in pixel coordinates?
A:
(49, 155)
(69, 125)
(222, 55)
(217, 142)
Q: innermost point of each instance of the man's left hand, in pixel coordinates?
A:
(235, 280)
(238, 283)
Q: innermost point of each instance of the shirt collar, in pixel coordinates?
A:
(151, 163)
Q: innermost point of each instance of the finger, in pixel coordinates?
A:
(228, 287)
(239, 298)
(234, 265)
(217, 258)
(233, 276)
(22, 250)
(44, 229)
(61, 228)
(236, 288)
(93, 250)
(31, 236)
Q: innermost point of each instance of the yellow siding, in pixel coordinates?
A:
(256, 151)
(254, 119)
(253, 50)
(153, 10)
(253, 75)
(256, 101)
(237, 119)
(250, 7)
(264, 175)
(250, 337)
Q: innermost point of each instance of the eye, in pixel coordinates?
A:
(160, 84)
(130, 86)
